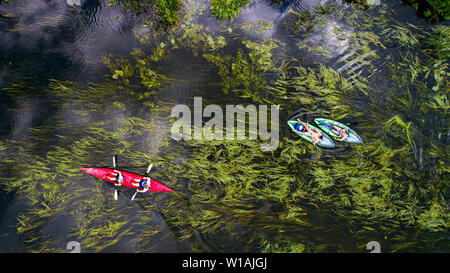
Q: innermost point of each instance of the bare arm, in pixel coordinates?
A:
(306, 126)
(343, 135)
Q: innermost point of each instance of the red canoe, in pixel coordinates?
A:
(127, 178)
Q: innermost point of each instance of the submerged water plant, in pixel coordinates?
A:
(227, 9)
(140, 72)
(245, 73)
(433, 10)
(165, 11)
(437, 43)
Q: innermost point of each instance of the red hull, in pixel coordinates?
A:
(128, 178)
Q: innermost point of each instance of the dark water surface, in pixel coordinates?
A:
(61, 110)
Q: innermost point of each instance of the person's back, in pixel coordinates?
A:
(142, 184)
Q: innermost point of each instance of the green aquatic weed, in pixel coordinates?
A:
(227, 9)
(165, 11)
(245, 73)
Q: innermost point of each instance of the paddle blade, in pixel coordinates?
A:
(149, 168)
(115, 161)
(116, 194)
(134, 195)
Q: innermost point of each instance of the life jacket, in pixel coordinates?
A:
(143, 183)
(300, 127)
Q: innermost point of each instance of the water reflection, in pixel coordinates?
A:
(58, 41)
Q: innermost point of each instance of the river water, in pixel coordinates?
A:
(62, 108)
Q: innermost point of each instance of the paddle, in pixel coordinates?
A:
(134, 195)
(116, 192)
(149, 168)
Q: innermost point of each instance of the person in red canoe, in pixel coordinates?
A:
(116, 176)
(143, 185)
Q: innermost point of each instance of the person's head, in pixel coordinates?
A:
(321, 137)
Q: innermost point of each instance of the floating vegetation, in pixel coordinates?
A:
(245, 73)
(259, 26)
(165, 11)
(138, 73)
(227, 9)
(437, 44)
(306, 20)
(402, 35)
(433, 10)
